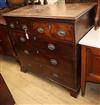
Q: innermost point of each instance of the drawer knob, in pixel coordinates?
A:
(34, 38)
(22, 39)
(40, 30)
(51, 46)
(53, 61)
(26, 52)
(55, 75)
(37, 52)
(61, 33)
(12, 25)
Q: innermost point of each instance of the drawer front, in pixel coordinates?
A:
(62, 31)
(41, 29)
(54, 31)
(52, 47)
(20, 39)
(19, 24)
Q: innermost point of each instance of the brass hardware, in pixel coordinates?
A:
(34, 37)
(53, 61)
(55, 75)
(40, 30)
(61, 33)
(25, 28)
(22, 39)
(26, 52)
(37, 52)
(12, 25)
(27, 36)
(51, 46)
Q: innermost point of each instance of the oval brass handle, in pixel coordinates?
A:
(12, 25)
(51, 46)
(40, 30)
(53, 61)
(61, 33)
(26, 52)
(22, 39)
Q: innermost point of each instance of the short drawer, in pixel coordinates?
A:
(62, 31)
(19, 24)
(41, 29)
(20, 39)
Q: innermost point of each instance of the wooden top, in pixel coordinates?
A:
(59, 11)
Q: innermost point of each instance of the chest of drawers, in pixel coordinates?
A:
(47, 43)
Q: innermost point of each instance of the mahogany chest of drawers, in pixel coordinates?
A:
(46, 42)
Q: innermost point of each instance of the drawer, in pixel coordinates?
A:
(20, 39)
(59, 70)
(62, 31)
(53, 47)
(54, 31)
(41, 29)
(19, 24)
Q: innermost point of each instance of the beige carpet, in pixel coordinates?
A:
(28, 89)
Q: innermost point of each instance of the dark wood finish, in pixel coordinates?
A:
(5, 95)
(48, 46)
(5, 44)
(90, 66)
